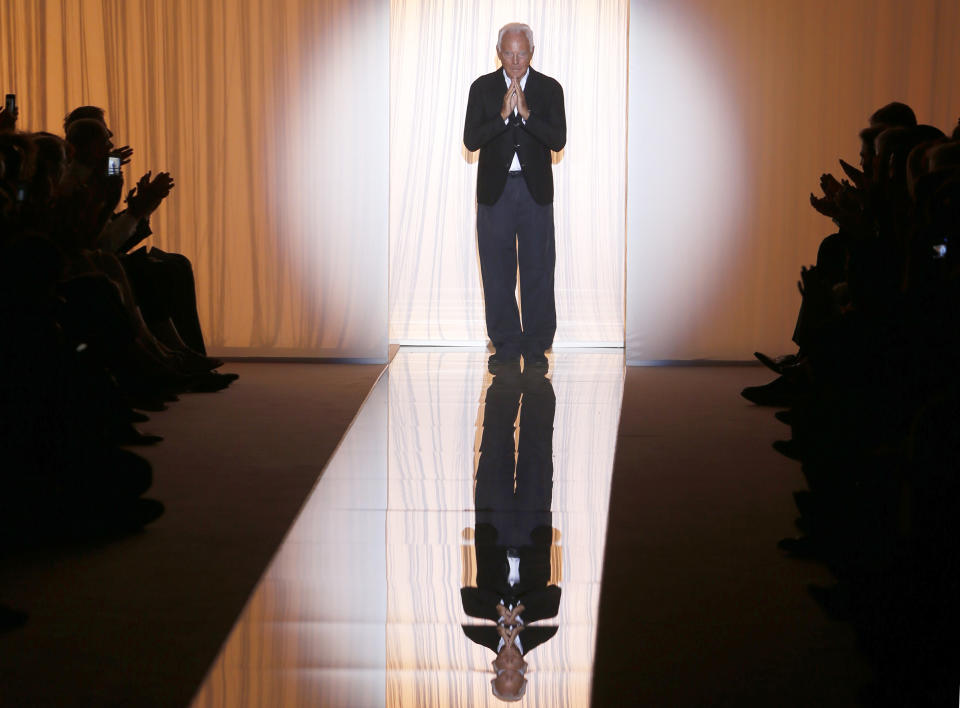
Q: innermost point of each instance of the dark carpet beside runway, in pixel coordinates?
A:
(698, 607)
(138, 621)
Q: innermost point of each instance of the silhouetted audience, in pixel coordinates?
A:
(873, 401)
(94, 332)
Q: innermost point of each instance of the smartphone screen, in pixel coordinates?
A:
(10, 103)
(113, 165)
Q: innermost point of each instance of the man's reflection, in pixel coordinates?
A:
(514, 526)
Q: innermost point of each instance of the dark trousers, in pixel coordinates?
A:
(164, 287)
(513, 494)
(517, 230)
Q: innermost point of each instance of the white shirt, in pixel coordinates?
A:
(516, 643)
(515, 165)
(513, 576)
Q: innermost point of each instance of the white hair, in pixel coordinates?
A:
(515, 27)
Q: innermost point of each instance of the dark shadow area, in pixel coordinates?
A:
(96, 331)
(873, 401)
(514, 535)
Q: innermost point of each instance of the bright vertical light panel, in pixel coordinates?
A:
(437, 49)
(684, 181)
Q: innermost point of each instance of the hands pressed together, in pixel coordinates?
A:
(509, 617)
(514, 99)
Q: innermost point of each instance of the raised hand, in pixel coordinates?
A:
(148, 194)
(509, 100)
(825, 206)
(855, 175)
(124, 153)
(830, 186)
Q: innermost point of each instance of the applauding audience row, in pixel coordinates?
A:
(96, 329)
(873, 401)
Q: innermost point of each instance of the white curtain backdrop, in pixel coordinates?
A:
(437, 49)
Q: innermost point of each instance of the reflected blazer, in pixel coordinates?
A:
(485, 130)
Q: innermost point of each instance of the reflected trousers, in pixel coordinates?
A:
(516, 231)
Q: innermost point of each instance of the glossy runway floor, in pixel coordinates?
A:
(453, 492)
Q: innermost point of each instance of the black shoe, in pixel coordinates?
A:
(11, 619)
(503, 363)
(129, 435)
(803, 547)
(835, 601)
(784, 416)
(537, 362)
(807, 503)
(210, 382)
(779, 392)
(790, 448)
(778, 363)
(147, 402)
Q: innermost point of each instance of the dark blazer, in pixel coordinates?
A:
(530, 637)
(485, 130)
(540, 604)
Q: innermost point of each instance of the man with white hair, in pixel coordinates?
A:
(515, 117)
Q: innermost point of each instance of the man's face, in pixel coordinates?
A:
(99, 149)
(515, 54)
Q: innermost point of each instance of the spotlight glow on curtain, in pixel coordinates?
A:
(272, 118)
(736, 109)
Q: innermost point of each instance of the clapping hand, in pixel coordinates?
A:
(830, 186)
(124, 153)
(840, 200)
(855, 175)
(147, 195)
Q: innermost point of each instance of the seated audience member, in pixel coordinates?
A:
(90, 332)
(873, 403)
(164, 282)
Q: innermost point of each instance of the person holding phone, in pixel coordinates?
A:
(9, 114)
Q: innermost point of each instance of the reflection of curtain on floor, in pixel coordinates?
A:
(437, 49)
(276, 136)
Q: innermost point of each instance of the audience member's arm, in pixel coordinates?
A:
(142, 201)
(8, 120)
